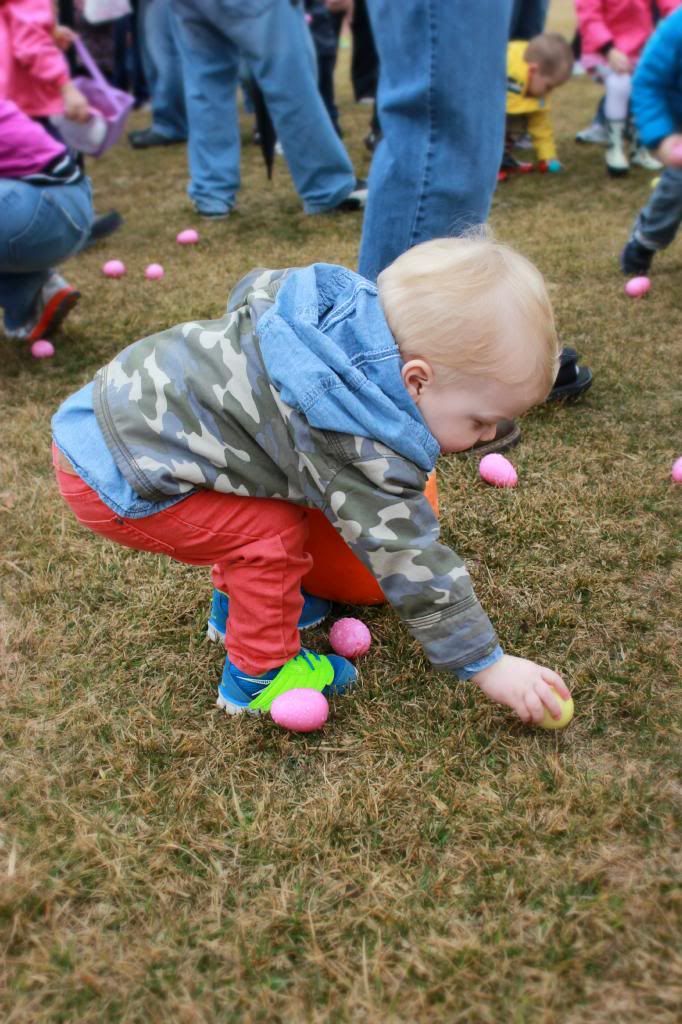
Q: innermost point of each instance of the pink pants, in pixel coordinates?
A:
(257, 547)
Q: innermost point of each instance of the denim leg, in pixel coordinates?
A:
(441, 104)
(162, 64)
(279, 50)
(528, 18)
(210, 62)
(657, 223)
(39, 227)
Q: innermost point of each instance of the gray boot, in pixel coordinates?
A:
(617, 162)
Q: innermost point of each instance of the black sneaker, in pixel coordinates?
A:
(356, 200)
(103, 225)
(635, 258)
(572, 379)
(147, 137)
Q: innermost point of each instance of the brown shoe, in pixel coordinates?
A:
(507, 434)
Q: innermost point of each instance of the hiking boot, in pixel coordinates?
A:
(596, 134)
(641, 157)
(315, 610)
(328, 674)
(636, 258)
(507, 434)
(55, 301)
(617, 163)
(148, 137)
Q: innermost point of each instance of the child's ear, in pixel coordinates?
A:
(417, 374)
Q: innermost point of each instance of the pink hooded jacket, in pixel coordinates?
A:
(625, 23)
(32, 67)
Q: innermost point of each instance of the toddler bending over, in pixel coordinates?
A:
(317, 389)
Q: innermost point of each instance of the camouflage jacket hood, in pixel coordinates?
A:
(286, 399)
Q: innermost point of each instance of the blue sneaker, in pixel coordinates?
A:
(238, 691)
(315, 609)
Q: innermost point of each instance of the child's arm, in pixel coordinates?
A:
(378, 506)
(34, 46)
(656, 81)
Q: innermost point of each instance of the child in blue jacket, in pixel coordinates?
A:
(657, 108)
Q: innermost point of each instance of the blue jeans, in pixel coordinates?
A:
(39, 226)
(528, 18)
(161, 58)
(657, 223)
(441, 105)
(273, 38)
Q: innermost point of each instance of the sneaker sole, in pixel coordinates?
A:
(501, 444)
(234, 709)
(54, 314)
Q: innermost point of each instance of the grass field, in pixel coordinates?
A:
(426, 857)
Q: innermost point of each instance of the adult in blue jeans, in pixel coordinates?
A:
(161, 60)
(441, 105)
(274, 39)
(45, 217)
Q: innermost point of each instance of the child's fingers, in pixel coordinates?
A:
(555, 680)
(547, 696)
(534, 705)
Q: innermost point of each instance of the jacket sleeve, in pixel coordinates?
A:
(33, 45)
(540, 128)
(656, 82)
(379, 508)
(594, 32)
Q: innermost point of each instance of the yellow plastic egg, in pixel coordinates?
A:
(548, 722)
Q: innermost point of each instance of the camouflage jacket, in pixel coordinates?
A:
(296, 394)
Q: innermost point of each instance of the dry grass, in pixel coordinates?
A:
(426, 858)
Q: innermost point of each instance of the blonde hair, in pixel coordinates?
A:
(552, 54)
(448, 301)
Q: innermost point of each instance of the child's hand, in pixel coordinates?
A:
(64, 37)
(75, 104)
(619, 61)
(670, 151)
(523, 686)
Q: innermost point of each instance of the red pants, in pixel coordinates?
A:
(257, 547)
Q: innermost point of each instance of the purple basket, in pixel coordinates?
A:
(113, 104)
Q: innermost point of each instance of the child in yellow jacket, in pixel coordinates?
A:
(534, 68)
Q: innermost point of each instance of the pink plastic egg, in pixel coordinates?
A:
(676, 473)
(676, 152)
(637, 286)
(114, 268)
(43, 349)
(300, 710)
(154, 272)
(498, 471)
(187, 237)
(350, 638)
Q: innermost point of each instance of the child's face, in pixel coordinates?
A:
(539, 84)
(462, 412)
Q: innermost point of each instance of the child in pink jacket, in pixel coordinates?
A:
(33, 71)
(613, 34)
